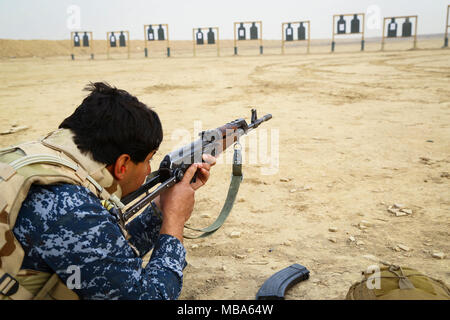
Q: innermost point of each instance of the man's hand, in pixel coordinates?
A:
(177, 202)
(203, 171)
(202, 175)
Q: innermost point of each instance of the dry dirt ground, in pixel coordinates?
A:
(352, 134)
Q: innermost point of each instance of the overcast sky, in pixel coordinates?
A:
(54, 19)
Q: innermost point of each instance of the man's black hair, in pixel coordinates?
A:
(110, 122)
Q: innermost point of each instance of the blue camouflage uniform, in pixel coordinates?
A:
(64, 225)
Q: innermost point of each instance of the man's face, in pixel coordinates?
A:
(135, 174)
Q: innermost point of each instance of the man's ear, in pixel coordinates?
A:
(120, 167)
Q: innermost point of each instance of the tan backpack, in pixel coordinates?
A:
(53, 159)
(398, 283)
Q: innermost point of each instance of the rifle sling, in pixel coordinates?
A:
(236, 179)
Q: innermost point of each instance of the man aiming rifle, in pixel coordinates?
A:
(62, 205)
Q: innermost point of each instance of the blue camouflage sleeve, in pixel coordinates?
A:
(65, 226)
(144, 229)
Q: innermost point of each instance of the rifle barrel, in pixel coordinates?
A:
(255, 124)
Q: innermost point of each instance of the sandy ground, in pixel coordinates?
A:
(352, 134)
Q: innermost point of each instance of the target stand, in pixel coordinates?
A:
(78, 41)
(340, 27)
(446, 28)
(392, 28)
(198, 38)
(240, 34)
(111, 41)
(287, 33)
(162, 34)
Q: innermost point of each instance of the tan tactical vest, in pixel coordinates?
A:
(53, 159)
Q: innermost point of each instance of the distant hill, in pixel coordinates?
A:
(53, 48)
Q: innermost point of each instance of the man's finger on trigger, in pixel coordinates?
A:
(189, 174)
(205, 166)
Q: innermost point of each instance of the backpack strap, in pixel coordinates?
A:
(6, 171)
(403, 282)
(55, 288)
(11, 288)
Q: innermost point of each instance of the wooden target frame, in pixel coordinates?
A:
(336, 33)
(108, 44)
(72, 43)
(260, 41)
(383, 38)
(446, 28)
(146, 41)
(283, 34)
(194, 39)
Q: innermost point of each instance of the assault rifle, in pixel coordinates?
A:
(175, 164)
